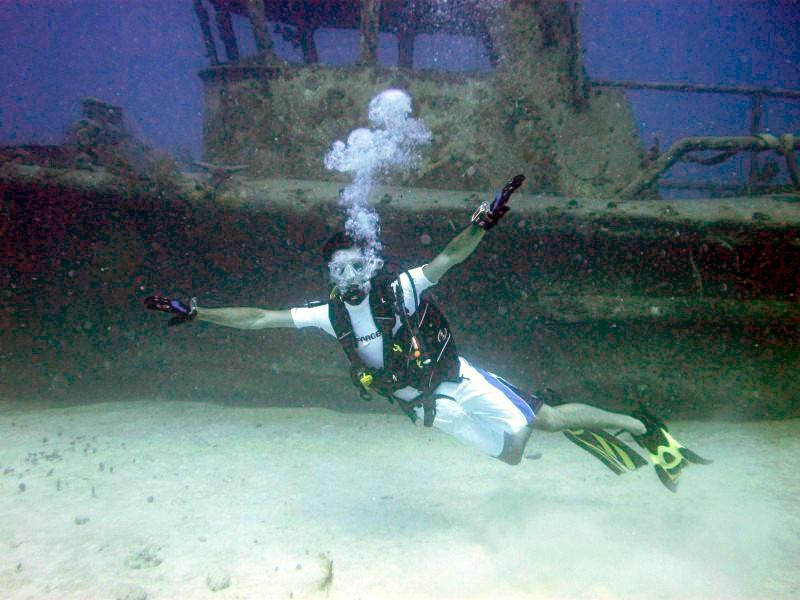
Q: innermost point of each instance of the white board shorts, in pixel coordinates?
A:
(481, 408)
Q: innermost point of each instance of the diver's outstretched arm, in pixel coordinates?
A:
(458, 250)
(464, 244)
(185, 310)
(246, 318)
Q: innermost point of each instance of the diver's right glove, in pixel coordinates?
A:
(184, 310)
(488, 215)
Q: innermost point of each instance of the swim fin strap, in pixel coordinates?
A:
(666, 453)
(610, 450)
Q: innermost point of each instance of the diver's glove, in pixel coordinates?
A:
(487, 214)
(183, 309)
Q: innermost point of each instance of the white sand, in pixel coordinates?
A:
(259, 494)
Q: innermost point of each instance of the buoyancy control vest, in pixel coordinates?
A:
(421, 354)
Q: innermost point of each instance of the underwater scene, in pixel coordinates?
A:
(399, 299)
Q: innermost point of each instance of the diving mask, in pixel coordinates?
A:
(350, 270)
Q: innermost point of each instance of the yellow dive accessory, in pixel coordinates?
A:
(365, 379)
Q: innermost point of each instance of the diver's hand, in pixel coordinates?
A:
(183, 309)
(488, 215)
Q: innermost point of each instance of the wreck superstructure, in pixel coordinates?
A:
(533, 112)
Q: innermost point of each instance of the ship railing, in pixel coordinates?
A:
(758, 141)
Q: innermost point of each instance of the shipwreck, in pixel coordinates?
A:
(596, 287)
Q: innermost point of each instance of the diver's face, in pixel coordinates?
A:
(351, 271)
(348, 267)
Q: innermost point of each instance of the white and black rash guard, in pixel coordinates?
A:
(370, 342)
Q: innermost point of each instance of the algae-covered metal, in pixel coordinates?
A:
(533, 112)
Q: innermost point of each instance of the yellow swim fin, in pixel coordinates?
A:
(610, 450)
(667, 454)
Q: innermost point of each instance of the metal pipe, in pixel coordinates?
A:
(698, 88)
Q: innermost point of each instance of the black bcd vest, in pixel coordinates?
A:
(421, 354)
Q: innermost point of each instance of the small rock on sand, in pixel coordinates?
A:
(146, 558)
(130, 592)
(218, 579)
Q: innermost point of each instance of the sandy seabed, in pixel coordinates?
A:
(179, 500)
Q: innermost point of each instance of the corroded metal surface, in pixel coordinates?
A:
(532, 113)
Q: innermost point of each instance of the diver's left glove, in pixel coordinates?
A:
(488, 215)
(183, 309)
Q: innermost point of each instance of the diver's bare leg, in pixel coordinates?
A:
(583, 416)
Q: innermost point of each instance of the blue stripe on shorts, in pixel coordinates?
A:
(513, 394)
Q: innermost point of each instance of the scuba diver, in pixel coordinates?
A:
(400, 347)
